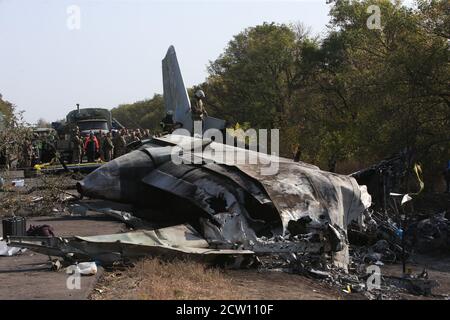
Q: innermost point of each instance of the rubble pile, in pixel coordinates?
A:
(430, 235)
(378, 242)
(360, 277)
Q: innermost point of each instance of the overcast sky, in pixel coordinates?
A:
(115, 57)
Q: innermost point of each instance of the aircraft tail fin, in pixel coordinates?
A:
(176, 98)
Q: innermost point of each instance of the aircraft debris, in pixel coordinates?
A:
(172, 242)
(179, 181)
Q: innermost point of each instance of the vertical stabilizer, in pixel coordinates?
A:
(176, 97)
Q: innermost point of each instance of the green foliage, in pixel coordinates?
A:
(358, 95)
(14, 131)
(145, 114)
(6, 108)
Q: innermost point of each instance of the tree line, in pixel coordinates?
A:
(345, 100)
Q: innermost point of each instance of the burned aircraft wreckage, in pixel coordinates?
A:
(205, 205)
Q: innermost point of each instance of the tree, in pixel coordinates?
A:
(13, 133)
(357, 95)
(352, 98)
(6, 108)
(257, 78)
(145, 114)
(393, 81)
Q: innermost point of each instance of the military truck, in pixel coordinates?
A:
(90, 120)
(96, 120)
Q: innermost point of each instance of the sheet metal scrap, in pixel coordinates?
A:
(179, 241)
(232, 206)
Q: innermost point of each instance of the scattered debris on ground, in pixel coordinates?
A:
(376, 243)
(187, 202)
(37, 196)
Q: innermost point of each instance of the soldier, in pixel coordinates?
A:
(77, 146)
(147, 134)
(198, 110)
(139, 134)
(134, 137)
(37, 146)
(108, 147)
(27, 153)
(49, 146)
(119, 143)
(297, 153)
(127, 136)
(167, 122)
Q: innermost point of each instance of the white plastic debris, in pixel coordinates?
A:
(406, 198)
(18, 183)
(8, 251)
(84, 268)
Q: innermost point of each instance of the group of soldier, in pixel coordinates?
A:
(104, 146)
(27, 149)
(100, 145)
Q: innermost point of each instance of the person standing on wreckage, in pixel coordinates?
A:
(168, 125)
(197, 108)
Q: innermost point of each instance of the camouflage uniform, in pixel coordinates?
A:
(108, 148)
(119, 145)
(77, 148)
(198, 110)
(27, 154)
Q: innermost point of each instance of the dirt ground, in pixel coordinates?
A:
(28, 276)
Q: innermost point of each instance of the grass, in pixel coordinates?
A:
(154, 279)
